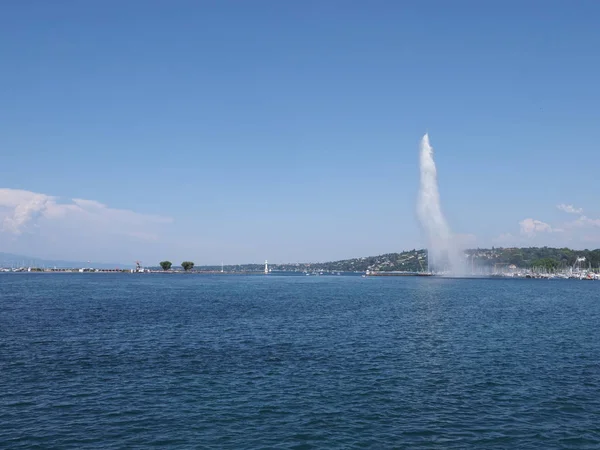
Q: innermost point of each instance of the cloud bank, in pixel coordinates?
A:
(29, 217)
(580, 232)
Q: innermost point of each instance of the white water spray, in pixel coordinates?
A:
(443, 253)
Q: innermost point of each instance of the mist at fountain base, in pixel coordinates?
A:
(449, 262)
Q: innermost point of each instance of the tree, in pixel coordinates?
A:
(546, 263)
(187, 265)
(166, 265)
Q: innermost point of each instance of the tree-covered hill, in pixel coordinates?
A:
(533, 257)
(416, 260)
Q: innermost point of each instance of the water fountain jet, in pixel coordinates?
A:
(443, 254)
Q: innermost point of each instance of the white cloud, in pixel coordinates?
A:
(132, 223)
(579, 232)
(21, 209)
(569, 209)
(531, 227)
(583, 222)
(41, 224)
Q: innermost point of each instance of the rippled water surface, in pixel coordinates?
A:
(187, 361)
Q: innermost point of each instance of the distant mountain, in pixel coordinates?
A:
(12, 260)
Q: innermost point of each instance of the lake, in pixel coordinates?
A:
(194, 361)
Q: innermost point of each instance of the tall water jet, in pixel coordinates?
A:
(442, 251)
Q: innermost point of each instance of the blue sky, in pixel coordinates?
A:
(243, 131)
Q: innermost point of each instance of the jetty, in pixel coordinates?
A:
(397, 273)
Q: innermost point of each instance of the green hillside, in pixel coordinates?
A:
(416, 260)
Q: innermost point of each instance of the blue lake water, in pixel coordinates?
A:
(187, 361)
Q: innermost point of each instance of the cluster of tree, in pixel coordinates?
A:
(187, 265)
(546, 263)
(546, 257)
